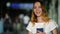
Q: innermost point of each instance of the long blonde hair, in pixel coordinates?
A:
(44, 14)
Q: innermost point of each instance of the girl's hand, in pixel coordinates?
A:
(39, 32)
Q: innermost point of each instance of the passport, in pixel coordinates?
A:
(40, 29)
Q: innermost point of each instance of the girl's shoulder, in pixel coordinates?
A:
(51, 21)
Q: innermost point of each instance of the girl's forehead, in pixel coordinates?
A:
(37, 4)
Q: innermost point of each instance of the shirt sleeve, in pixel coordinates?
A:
(29, 27)
(52, 25)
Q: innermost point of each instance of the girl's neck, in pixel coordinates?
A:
(39, 19)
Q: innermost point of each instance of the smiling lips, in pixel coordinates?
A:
(38, 12)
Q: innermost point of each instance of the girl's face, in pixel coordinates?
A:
(37, 9)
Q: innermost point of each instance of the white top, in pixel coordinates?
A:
(48, 27)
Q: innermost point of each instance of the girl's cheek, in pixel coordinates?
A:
(34, 10)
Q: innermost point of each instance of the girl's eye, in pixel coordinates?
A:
(37, 7)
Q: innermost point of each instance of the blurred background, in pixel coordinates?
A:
(15, 14)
